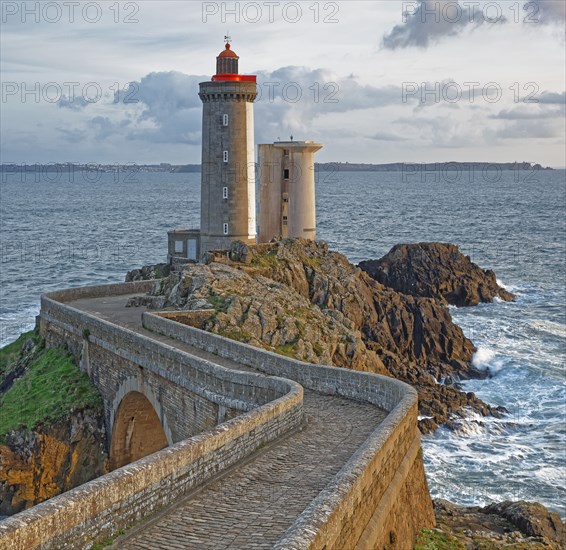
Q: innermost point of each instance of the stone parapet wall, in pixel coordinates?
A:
(234, 389)
(380, 497)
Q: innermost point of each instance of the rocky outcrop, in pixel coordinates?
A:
(531, 518)
(51, 459)
(301, 299)
(517, 525)
(436, 270)
(148, 272)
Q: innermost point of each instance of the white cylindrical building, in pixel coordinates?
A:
(287, 190)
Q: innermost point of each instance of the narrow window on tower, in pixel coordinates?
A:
(225, 156)
(225, 229)
(286, 174)
(225, 192)
(225, 120)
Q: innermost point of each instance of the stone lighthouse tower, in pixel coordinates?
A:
(228, 203)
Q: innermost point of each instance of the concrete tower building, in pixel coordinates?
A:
(287, 193)
(228, 202)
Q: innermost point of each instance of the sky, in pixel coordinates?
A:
(374, 81)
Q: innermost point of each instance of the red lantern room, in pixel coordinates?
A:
(227, 67)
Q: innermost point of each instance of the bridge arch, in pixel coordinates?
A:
(138, 427)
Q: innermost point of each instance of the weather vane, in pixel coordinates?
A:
(228, 38)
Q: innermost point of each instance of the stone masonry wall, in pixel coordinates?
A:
(380, 498)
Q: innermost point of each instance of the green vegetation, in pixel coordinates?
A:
(435, 540)
(311, 262)
(9, 354)
(107, 542)
(47, 387)
(289, 349)
(239, 336)
(219, 303)
(266, 259)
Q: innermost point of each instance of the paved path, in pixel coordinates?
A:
(252, 504)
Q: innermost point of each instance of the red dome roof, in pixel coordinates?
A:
(227, 52)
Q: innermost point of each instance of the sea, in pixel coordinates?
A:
(66, 229)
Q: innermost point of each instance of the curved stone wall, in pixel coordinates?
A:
(380, 498)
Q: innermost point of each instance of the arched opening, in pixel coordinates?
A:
(137, 431)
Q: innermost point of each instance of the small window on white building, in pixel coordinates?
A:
(178, 247)
(225, 229)
(225, 120)
(225, 156)
(285, 152)
(225, 192)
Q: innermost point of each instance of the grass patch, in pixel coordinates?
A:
(10, 354)
(434, 540)
(239, 336)
(312, 262)
(289, 349)
(219, 303)
(50, 388)
(266, 259)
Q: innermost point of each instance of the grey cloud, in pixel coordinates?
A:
(169, 102)
(552, 98)
(72, 135)
(74, 103)
(431, 21)
(164, 107)
(529, 129)
(526, 113)
(545, 11)
(385, 136)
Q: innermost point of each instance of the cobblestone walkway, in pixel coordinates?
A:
(254, 503)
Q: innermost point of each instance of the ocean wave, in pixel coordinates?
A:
(487, 359)
(550, 327)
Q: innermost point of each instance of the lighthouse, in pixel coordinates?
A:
(228, 187)
(228, 202)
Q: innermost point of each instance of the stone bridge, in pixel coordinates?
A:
(216, 444)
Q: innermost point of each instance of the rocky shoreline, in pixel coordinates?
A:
(388, 316)
(509, 525)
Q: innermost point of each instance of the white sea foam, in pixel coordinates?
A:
(483, 357)
(503, 285)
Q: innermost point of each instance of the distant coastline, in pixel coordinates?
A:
(31, 168)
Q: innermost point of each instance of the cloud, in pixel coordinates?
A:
(72, 135)
(385, 136)
(529, 129)
(164, 107)
(552, 98)
(525, 113)
(545, 11)
(74, 103)
(431, 20)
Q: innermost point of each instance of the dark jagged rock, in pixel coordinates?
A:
(436, 270)
(532, 518)
(518, 525)
(148, 273)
